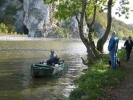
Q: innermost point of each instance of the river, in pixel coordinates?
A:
(15, 61)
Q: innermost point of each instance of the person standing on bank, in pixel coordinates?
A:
(112, 48)
(128, 46)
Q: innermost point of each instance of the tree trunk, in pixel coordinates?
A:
(90, 53)
(92, 42)
(102, 41)
(91, 32)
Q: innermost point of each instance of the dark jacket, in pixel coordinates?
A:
(128, 44)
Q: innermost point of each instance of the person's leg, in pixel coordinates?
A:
(127, 54)
(49, 62)
(113, 60)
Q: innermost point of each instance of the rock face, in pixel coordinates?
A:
(36, 17)
(74, 28)
(19, 21)
(33, 17)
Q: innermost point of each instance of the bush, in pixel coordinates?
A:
(6, 28)
(3, 28)
(11, 28)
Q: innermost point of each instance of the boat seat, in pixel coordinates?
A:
(57, 60)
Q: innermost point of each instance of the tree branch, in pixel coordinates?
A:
(94, 15)
(76, 15)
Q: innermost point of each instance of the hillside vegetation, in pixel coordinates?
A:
(123, 30)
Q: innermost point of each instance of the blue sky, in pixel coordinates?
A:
(122, 18)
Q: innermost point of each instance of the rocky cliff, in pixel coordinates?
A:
(35, 18)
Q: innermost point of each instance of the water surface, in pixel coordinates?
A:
(16, 58)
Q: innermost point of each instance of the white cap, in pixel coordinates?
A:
(114, 32)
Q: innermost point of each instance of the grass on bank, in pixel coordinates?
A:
(99, 76)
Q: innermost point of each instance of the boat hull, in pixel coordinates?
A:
(47, 70)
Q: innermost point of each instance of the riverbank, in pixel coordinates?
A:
(26, 38)
(99, 80)
(124, 90)
(19, 38)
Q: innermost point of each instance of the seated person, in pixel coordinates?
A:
(52, 59)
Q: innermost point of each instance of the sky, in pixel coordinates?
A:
(122, 18)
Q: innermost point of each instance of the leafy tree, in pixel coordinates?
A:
(85, 10)
(8, 19)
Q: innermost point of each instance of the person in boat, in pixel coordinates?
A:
(52, 59)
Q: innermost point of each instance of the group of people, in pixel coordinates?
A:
(113, 48)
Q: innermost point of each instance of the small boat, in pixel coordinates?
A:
(42, 69)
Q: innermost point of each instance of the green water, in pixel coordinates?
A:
(16, 58)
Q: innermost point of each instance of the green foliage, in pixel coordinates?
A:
(62, 32)
(122, 53)
(3, 28)
(123, 30)
(67, 8)
(102, 5)
(21, 1)
(11, 10)
(99, 76)
(76, 94)
(120, 35)
(49, 1)
(9, 28)
(2, 2)
(8, 19)
(123, 9)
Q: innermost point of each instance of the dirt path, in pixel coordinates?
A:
(124, 91)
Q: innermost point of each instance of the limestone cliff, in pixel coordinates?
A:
(35, 18)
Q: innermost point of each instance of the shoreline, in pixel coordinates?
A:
(26, 38)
